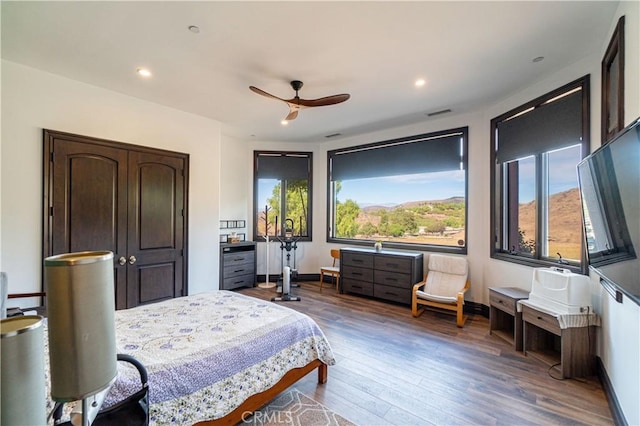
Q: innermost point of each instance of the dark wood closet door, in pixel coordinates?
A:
(89, 206)
(103, 195)
(156, 228)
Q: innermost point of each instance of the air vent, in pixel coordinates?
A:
(333, 135)
(444, 111)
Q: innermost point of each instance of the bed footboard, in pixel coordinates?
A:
(257, 401)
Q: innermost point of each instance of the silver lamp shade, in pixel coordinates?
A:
(23, 380)
(80, 311)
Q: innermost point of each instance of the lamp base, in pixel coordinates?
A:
(267, 285)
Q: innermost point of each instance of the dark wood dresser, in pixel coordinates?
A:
(237, 265)
(386, 274)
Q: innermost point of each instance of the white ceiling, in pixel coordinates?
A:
(470, 53)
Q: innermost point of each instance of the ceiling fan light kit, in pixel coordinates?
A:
(296, 103)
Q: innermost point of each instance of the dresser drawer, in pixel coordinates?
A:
(541, 319)
(230, 283)
(238, 258)
(355, 286)
(238, 269)
(392, 263)
(502, 302)
(394, 279)
(360, 274)
(362, 260)
(395, 294)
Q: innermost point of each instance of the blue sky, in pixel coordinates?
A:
(562, 173)
(400, 189)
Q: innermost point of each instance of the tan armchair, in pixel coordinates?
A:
(443, 287)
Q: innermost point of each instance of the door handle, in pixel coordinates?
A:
(132, 260)
(122, 260)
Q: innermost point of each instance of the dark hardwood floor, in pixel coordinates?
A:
(393, 369)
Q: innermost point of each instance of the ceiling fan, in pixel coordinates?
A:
(296, 103)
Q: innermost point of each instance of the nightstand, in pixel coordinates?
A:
(569, 350)
(504, 319)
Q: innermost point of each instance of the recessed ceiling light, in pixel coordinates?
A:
(420, 82)
(194, 29)
(144, 72)
(538, 59)
(284, 122)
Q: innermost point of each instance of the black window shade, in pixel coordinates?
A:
(419, 154)
(282, 166)
(550, 126)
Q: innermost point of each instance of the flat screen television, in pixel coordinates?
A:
(609, 180)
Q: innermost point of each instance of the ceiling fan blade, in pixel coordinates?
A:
(328, 100)
(263, 93)
(292, 115)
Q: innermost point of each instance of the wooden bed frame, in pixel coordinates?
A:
(257, 401)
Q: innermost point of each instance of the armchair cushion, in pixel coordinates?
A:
(447, 277)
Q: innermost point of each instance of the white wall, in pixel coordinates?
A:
(236, 189)
(619, 336)
(33, 100)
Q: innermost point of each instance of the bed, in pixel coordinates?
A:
(212, 357)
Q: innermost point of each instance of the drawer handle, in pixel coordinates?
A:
(357, 260)
(238, 259)
(391, 279)
(540, 318)
(357, 273)
(390, 294)
(238, 282)
(356, 286)
(238, 270)
(392, 265)
(500, 302)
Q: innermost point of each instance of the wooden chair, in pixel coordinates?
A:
(333, 270)
(443, 287)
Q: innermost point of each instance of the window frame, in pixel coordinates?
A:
(281, 223)
(464, 131)
(497, 216)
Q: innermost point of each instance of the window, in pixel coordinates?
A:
(536, 218)
(282, 195)
(404, 192)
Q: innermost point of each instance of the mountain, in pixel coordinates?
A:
(565, 221)
(369, 208)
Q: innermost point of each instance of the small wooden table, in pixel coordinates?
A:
(568, 350)
(504, 319)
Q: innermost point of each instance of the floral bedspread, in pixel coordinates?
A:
(207, 353)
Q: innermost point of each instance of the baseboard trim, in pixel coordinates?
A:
(609, 392)
(476, 309)
(275, 277)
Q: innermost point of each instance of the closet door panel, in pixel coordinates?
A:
(153, 285)
(88, 208)
(156, 227)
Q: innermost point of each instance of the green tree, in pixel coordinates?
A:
(296, 207)
(346, 214)
(405, 219)
(526, 246)
(396, 230)
(383, 227)
(368, 229)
